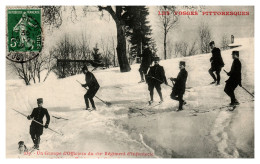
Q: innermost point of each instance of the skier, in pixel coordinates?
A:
(234, 78)
(180, 85)
(93, 86)
(155, 77)
(36, 129)
(216, 63)
(146, 62)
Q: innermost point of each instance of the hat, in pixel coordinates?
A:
(39, 100)
(235, 53)
(156, 59)
(84, 68)
(212, 42)
(182, 63)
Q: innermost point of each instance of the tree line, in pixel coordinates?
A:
(133, 34)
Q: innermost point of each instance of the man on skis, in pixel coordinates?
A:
(146, 62)
(180, 85)
(234, 78)
(36, 129)
(155, 77)
(216, 63)
(93, 86)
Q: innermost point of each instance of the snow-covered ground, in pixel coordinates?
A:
(159, 131)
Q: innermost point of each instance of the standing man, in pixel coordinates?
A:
(216, 63)
(93, 86)
(234, 78)
(180, 85)
(36, 129)
(155, 77)
(146, 62)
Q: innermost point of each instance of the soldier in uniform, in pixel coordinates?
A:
(234, 78)
(36, 129)
(216, 63)
(155, 77)
(146, 62)
(180, 85)
(93, 86)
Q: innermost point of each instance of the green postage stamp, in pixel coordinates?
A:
(24, 34)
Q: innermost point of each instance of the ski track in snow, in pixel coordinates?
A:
(221, 136)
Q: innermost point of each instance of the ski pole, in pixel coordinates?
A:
(247, 91)
(94, 69)
(225, 71)
(159, 81)
(38, 122)
(244, 88)
(105, 102)
(60, 118)
(162, 82)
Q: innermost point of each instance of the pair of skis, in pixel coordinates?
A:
(90, 110)
(150, 106)
(228, 107)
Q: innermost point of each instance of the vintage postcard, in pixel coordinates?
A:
(130, 81)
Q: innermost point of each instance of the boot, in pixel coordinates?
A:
(180, 109)
(88, 108)
(141, 81)
(213, 82)
(236, 102)
(160, 101)
(37, 146)
(34, 143)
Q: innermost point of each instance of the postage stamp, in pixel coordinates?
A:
(24, 34)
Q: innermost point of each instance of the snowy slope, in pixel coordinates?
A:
(106, 130)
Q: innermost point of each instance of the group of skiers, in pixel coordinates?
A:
(234, 74)
(156, 75)
(154, 78)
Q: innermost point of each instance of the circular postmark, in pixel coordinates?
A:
(24, 34)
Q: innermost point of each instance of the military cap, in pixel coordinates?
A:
(156, 58)
(182, 63)
(212, 42)
(235, 53)
(39, 100)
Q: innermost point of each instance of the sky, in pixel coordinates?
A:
(187, 28)
(98, 27)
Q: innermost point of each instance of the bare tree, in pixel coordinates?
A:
(177, 48)
(193, 49)
(167, 22)
(205, 37)
(49, 64)
(83, 46)
(107, 56)
(66, 49)
(182, 48)
(170, 49)
(22, 70)
(31, 70)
